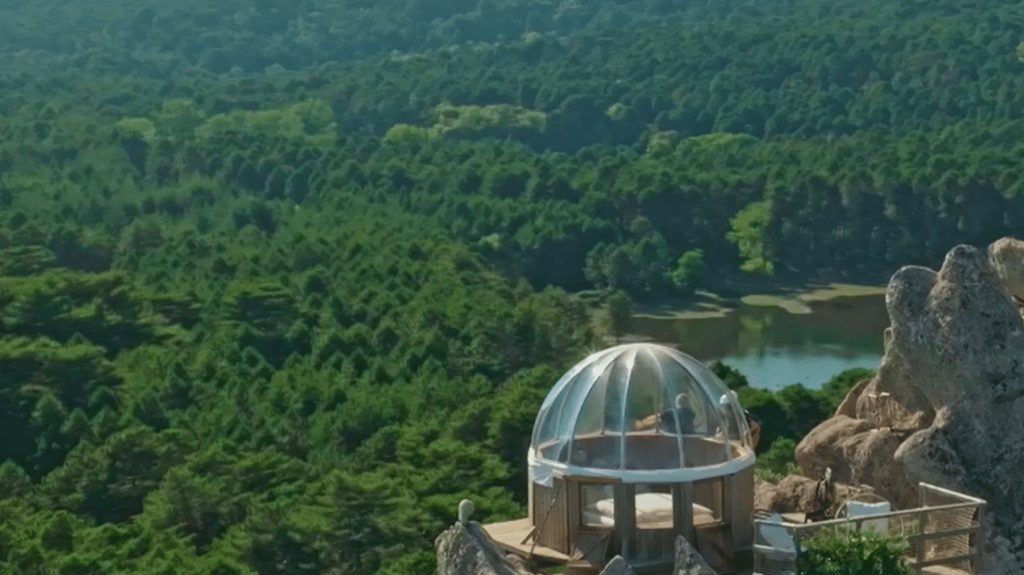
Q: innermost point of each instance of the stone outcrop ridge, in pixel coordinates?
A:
(689, 561)
(947, 404)
(796, 494)
(465, 549)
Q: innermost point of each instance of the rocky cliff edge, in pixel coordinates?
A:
(947, 404)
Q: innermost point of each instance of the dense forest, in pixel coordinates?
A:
(282, 282)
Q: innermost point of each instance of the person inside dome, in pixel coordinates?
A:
(753, 423)
(725, 413)
(666, 420)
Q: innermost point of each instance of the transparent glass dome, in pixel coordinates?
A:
(640, 412)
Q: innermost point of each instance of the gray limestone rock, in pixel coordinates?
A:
(1007, 257)
(519, 564)
(947, 403)
(689, 561)
(467, 550)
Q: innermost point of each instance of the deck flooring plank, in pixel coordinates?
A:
(510, 534)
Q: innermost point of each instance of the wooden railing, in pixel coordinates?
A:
(943, 530)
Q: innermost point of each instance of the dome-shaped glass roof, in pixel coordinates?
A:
(640, 412)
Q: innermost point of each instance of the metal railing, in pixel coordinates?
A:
(943, 530)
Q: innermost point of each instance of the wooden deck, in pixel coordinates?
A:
(512, 537)
(942, 570)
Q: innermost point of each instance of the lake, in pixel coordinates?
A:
(775, 348)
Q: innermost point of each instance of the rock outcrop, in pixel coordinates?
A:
(796, 494)
(689, 561)
(859, 454)
(947, 404)
(849, 405)
(1007, 257)
(465, 549)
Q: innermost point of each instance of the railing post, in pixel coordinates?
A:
(921, 489)
(979, 533)
(920, 542)
(796, 544)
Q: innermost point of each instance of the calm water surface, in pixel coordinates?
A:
(775, 348)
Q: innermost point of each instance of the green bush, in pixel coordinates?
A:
(835, 390)
(792, 411)
(838, 552)
(732, 377)
(778, 461)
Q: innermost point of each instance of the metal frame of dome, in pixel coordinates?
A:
(616, 370)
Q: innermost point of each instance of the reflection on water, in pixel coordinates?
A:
(775, 348)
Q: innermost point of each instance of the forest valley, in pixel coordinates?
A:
(282, 282)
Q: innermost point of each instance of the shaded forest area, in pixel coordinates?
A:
(282, 282)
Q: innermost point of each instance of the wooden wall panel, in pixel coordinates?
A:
(682, 510)
(574, 513)
(551, 516)
(742, 509)
(709, 493)
(654, 544)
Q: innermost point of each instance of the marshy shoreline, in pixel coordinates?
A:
(794, 294)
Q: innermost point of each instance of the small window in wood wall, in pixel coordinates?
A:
(708, 500)
(654, 507)
(597, 503)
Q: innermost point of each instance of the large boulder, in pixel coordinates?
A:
(823, 447)
(1007, 257)
(797, 494)
(764, 494)
(947, 404)
(849, 405)
(859, 454)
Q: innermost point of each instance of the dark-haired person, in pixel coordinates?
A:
(754, 425)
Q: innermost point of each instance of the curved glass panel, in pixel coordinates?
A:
(640, 407)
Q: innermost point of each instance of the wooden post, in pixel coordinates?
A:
(686, 493)
(679, 516)
(726, 485)
(625, 518)
(741, 495)
(573, 510)
(529, 502)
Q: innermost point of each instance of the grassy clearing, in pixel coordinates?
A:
(797, 301)
(794, 299)
(702, 306)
